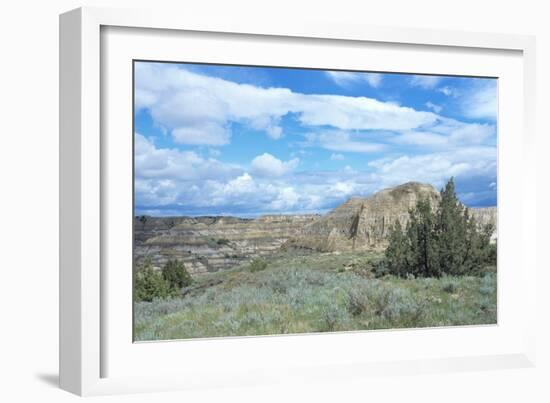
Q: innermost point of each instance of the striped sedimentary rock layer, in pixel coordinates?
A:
(207, 244)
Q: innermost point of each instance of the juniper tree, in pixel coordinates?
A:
(479, 249)
(422, 238)
(445, 241)
(175, 273)
(149, 284)
(397, 253)
(452, 231)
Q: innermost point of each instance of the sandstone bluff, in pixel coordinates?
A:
(208, 244)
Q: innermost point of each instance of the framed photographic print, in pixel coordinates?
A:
(273, 200)
(311, 199)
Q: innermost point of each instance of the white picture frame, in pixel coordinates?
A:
(87, 347)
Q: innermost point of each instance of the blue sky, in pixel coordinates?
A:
(238, 140)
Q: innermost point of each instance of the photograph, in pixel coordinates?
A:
(272, 200)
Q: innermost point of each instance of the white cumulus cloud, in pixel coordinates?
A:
(198, 109)
(435, 168)
(204, 133)
(170, 181)
(267, 165)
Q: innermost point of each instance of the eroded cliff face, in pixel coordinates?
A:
(207, 244)
(364, 223)
(485, 216)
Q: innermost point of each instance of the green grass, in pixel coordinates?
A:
(315, 293)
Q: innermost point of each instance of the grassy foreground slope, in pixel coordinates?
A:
(315, 293)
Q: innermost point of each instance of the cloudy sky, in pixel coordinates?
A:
(232, 140)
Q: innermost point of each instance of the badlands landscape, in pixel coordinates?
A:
(211, 244)
(278, 274)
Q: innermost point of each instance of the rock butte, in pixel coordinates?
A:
(207, 244)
